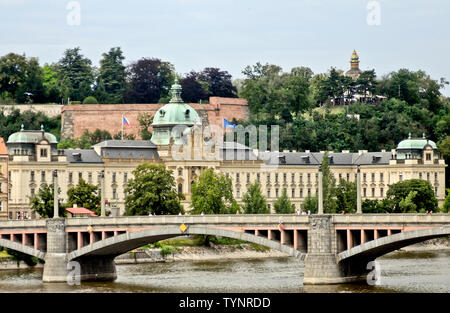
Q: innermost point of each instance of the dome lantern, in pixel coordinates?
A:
(175, 113)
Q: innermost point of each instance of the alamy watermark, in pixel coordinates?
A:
(238, 143)
(374, 16)
(74, 16)
(374, 276)
(73, 273)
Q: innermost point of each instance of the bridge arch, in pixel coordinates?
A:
(117, 245)
(381, 246)
(22, 248)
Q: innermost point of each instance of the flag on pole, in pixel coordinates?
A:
(125, 121)
(227, 124)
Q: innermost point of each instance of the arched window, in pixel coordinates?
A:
(180, 188)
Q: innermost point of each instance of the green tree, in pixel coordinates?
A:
(12, 73)
(111, 81)
(444, 149)
(31, 89)
(75, 75)
(50, 82)
(90, 100)
(11, 123)
(283, 205)
(416, 191)
(84, 195)
(328, 186)
(346, 197)
(310, 204)
(42, 202)
(152, 190)
(407, 205)
(366, 82)
(446, 206)
(145, 122)
(270, 92)
(253, 200)
(212, 194)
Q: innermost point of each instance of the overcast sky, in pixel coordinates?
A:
(230, 34)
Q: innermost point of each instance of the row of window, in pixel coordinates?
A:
(339, 177)
(294, 194)
(365, 192)
(276, 176)
(80, 176)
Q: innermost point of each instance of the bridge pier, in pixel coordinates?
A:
(101, 268)
(55, 267)
(92, 268)
(321, 264)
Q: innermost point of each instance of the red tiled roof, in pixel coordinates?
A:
(3, 149)
(80, 211)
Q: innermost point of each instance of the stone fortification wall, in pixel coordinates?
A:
(76, 119)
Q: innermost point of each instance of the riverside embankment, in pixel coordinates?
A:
(242, 251)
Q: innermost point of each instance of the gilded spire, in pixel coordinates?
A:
(354, 61)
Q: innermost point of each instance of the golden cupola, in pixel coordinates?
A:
(354, 71)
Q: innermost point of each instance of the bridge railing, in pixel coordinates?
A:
(191, 219)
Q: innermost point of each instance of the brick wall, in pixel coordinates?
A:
(75, 119)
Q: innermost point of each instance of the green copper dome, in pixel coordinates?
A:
(176, 112)
(172, 114)
(31, 136)
(416, 143)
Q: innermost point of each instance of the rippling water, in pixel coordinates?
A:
(400, 272)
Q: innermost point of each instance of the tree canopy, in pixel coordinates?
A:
(149, 80)
(84, 195)
(283, 205)
(76, 75)
(254, 201)
(152, 190)
(42, 202)
(212, 193)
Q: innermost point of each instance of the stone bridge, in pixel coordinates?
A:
(335, 248)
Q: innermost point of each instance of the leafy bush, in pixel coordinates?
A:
(90, 100)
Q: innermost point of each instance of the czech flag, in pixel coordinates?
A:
(125, 121)
(228, 124)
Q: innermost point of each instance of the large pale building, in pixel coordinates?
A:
(33, 155)
(3, 180)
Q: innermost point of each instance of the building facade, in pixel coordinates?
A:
(3, 180)
(33, 155)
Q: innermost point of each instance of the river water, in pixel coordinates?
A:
(400, 272)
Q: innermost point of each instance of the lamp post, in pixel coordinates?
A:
(358, 191)
(320, 197)
(103, 211)
(55, 194)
